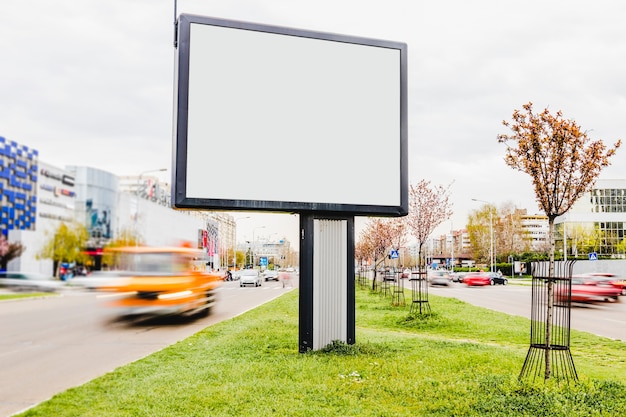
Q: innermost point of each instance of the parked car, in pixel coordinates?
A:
(270, 275)
(586, 290)
(406, 273)
(497, 278)
(29, 281)
(250, 277)
(476, 279)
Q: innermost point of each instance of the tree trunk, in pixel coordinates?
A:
(550, 306)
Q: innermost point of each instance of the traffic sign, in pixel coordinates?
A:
(593, 256)
(394, 254)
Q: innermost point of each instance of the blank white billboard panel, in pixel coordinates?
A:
(271, 118)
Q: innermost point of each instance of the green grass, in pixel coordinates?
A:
(18, 295)
(459, 361)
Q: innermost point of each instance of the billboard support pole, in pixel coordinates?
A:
(327, 306)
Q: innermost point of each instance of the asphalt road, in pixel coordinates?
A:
(602, 319)
(50, 344)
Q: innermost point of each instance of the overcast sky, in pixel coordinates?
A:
(90, 82)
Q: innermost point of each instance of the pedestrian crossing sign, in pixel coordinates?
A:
(593, 256)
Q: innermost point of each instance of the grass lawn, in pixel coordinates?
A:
(18, 295)
(460, 361)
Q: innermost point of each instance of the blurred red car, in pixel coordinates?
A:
(475, 279)
(588, 290)
(607, 278)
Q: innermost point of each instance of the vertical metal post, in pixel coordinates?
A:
(316, 280)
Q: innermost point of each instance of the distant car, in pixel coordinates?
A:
(97, 279)
(270, 275)
(477, 279)
(497, 279)
(440, 278)
(406, 273)
(250, 277)
(29, 281)
(458, 276)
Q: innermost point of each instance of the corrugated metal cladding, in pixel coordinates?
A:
(330, 281)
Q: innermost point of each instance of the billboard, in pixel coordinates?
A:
(271, 118)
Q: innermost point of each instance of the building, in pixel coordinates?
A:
(37, 197)
(536, 228)
(596, 222)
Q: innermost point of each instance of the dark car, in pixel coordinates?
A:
(497, 278)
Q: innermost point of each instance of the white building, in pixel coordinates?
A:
(536, 227)
(596, 222)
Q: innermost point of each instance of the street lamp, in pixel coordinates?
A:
(491, 250)
(235, 240)
(141, 174)
(254, 243)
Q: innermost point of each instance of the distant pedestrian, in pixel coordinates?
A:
(285, 277)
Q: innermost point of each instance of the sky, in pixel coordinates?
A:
(91, 82)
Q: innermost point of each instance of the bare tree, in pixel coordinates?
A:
(376, 239)
(9, 251)
(563, 163)
(429, 206)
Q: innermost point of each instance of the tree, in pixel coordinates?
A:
(127, 237)
(376, 239)
(9, 251)
(65, 245)
(563, 163)
(429, 206)
(478, 229)
(509, 236)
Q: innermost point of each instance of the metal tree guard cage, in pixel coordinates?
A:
(550, 345)
(386, 284)
(419, 291)
(397, 298)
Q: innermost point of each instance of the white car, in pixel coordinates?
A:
(29, 281)
(250, 276)
(270, 275)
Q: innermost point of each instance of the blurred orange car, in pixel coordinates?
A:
(160, 280)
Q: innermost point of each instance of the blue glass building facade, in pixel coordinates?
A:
(18, 186)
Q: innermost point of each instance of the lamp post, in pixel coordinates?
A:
(235, 240)
(452, 252)
(254, 243)
(491, 250)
